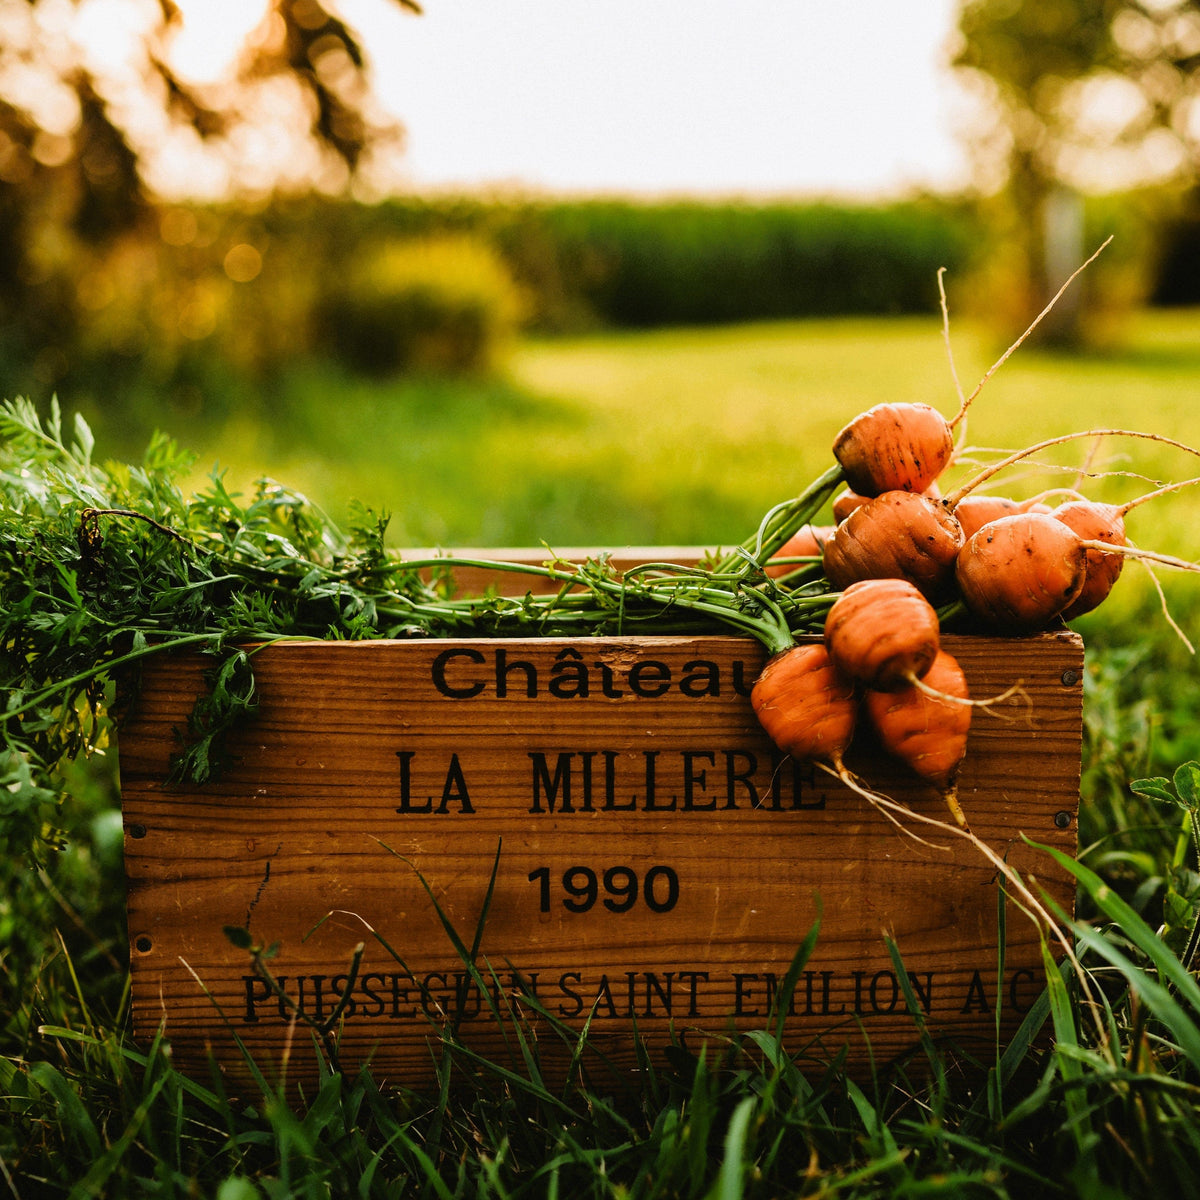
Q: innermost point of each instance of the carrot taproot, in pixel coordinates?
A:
(954, 498)
(806, 542)
(894, 447)
(1104, 523)
(1019, 572)
(806, 705)
(897, 535)
(966, 401)
(926, 729)
(883, 633)
(905, 446)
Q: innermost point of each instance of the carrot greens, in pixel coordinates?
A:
(104, 564)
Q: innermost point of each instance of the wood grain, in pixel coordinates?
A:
(377, 777)
(472, 575)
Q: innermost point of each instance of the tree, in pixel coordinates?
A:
(1084, 96)
(79, 138)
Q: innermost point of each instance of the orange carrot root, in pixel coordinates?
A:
(928, 734)
(882, 632)
(897, 535)
(806, 706)
(894, 448)
(1019, 572)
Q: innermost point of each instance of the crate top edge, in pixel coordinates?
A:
(1061, 637)
(536, 554)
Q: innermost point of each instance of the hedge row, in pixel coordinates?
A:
(622, 263)
(242, 291)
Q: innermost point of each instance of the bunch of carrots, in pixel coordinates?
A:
(851, 612)
(900, 559)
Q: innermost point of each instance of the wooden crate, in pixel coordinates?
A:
(656, 863)
(474, 579)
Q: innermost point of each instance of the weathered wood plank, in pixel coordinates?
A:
(471, 575)
(634, 763)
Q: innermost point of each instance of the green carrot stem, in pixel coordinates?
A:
(99, 668)
(782, 521)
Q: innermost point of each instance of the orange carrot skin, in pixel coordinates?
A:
(898, 535)
(1020, 572)
(928, 734)
(807, 707)
(882, 633)
(806, 542)
(1093, 521)
(974, 511)
(845, 502)
(894, 447)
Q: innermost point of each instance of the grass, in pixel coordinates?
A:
(683, 437)
(660, 438)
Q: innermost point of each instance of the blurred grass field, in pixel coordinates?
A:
(685, 437)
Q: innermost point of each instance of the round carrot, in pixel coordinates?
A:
(894, 447)
(898, 535)
(806, 705)
(1103, 524)
(806, 542)
(882, 633)
(845, 502)
(975, 511)
(926, 731)
(1090, 519)
(1019, 572)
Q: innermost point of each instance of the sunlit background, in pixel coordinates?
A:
(394, 248)
(703, 98)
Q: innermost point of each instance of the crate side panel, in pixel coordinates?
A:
(655, 859)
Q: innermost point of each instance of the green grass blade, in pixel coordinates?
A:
(879, 1136)
(92, 1184)
(196, 1091)
(1062, 1014)
(913, 1004)
(783, 998)
(1157, 998)
(71, 1111)
(1133, 927)
(730, 1183)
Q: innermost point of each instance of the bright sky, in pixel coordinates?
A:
(800, 96)
(653, 95)
(673, 94)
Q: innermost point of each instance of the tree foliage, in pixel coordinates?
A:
(1085, 96)
(1092, 91)
(80, 135)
